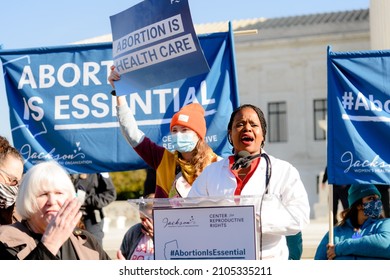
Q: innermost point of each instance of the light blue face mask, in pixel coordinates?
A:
(184, 142)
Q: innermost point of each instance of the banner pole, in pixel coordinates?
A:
(233, 56)
(330, 200)
(246, 32)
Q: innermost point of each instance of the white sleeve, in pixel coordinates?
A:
(288, 211)
(128, 126)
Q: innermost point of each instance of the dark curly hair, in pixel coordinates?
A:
(259, 113)
(6, 149)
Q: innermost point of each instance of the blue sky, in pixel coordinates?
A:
(42, 23)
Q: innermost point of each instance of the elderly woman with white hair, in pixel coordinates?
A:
(50, 212)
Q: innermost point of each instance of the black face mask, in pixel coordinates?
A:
(7, 195)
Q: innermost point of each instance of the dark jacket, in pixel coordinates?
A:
(130, 240)
(7, 215)
(100, 192)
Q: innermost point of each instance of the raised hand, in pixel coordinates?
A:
(62, 225)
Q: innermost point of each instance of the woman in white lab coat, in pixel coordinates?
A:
(250, 171)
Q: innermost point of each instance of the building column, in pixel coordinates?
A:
(380, 24)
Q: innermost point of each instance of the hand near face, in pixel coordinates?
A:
(147, 226)
(62, 225)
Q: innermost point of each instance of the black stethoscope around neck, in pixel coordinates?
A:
(243, 160)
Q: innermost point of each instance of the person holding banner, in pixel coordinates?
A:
(11, 171)
(50, 211)
(175, 171)
(248, 173)
(363, 233)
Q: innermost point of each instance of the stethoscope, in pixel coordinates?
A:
(243, 160)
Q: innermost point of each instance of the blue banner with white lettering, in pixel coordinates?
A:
(154, 43)
(60, 107)
(358, 117)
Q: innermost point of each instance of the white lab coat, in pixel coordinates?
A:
(284, 211)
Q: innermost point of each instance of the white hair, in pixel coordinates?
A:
(42, 177)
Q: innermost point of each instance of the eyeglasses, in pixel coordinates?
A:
(13, 181)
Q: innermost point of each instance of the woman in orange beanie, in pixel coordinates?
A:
(175, 171)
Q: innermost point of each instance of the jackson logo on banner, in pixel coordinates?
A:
(56, 104)
(154, 43)
(358, 117)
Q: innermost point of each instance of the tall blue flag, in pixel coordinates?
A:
(358, 117)
(60, 105)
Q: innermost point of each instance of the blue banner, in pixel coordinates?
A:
(60, 105)
(358, 117)
(154, 42)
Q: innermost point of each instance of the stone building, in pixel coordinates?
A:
(281, 67)
(283, 70)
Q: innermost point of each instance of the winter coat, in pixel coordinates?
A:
(373, 242)
(18, 242)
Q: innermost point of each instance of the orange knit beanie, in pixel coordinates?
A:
(191, 116)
